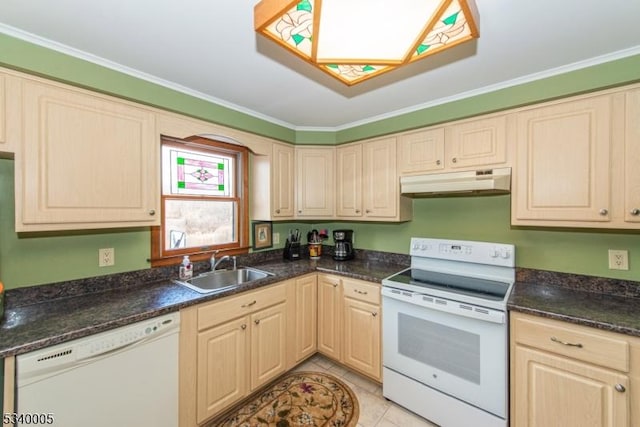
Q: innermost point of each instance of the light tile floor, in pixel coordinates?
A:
(375, 410)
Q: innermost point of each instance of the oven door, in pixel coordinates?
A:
(452, 347)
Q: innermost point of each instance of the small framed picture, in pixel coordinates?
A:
(262, 235)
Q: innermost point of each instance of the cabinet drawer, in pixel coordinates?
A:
(578, 342)
(229, 308)
(363, 291)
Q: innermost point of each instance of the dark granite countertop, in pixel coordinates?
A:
(45, 315)
(606, 304)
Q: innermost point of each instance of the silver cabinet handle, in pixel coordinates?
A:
(152, 212)
(243, 326)
(360, 292)
(570, 344)
(603, 211)
(620, 388)
(454, 160)
(249, 304)
(635, 212)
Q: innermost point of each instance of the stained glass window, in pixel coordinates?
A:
(204, 206)
(195, 173)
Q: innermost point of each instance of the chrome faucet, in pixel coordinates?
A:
(215, 263)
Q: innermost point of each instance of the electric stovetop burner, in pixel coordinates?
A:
(479, 288)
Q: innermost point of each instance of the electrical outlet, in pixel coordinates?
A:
(276, 238)
(618, 259)
(106, 257)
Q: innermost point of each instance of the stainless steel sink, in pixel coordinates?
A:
(220, 280)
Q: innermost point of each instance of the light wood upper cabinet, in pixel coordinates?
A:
(282, 175)
(349, 181)
(464, 145)
(421, 151)
(86, 161)
(477, 143)
(563, 163)
(272, 184)
(315, 182)
(381, 185)
(632, 157)
(368, 187)
(571, 375)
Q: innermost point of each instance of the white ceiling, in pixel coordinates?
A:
(208, 48)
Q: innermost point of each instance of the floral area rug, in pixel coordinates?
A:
(297, 399)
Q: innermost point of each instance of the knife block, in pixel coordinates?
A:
(291, 251)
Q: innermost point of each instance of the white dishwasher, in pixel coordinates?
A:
(125, 377)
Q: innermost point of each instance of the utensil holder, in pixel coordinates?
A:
(291, 251)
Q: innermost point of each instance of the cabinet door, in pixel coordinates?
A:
(88, 162)
(329, 316)
(421, 151)
(315, 188)
(380, 179)
(362, 337)
(306, 317)
(562, 168)
(349, 181)
(631, 155)
(222, 367)
(268, 344)
(557, 391)
(282, 181)
(477, 143)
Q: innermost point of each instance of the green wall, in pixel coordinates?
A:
(37, 258)
(487, 218)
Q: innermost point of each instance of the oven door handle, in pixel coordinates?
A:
(445, 305)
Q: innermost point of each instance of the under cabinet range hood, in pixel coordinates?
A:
(485, 181)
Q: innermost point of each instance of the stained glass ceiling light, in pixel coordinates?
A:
(354, 40)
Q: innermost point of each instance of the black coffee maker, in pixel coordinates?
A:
(343, 240)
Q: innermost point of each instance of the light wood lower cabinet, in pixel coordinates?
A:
(221, 367)
(232, 346)
(329, 316)
(306, 309)
(362, 336)
(572, 376)
(236, 344)
(349, 323)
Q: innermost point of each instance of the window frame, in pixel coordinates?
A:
(160, 257)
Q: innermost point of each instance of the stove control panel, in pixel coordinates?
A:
(499, 254)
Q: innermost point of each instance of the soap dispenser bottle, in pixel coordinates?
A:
(186, 268)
